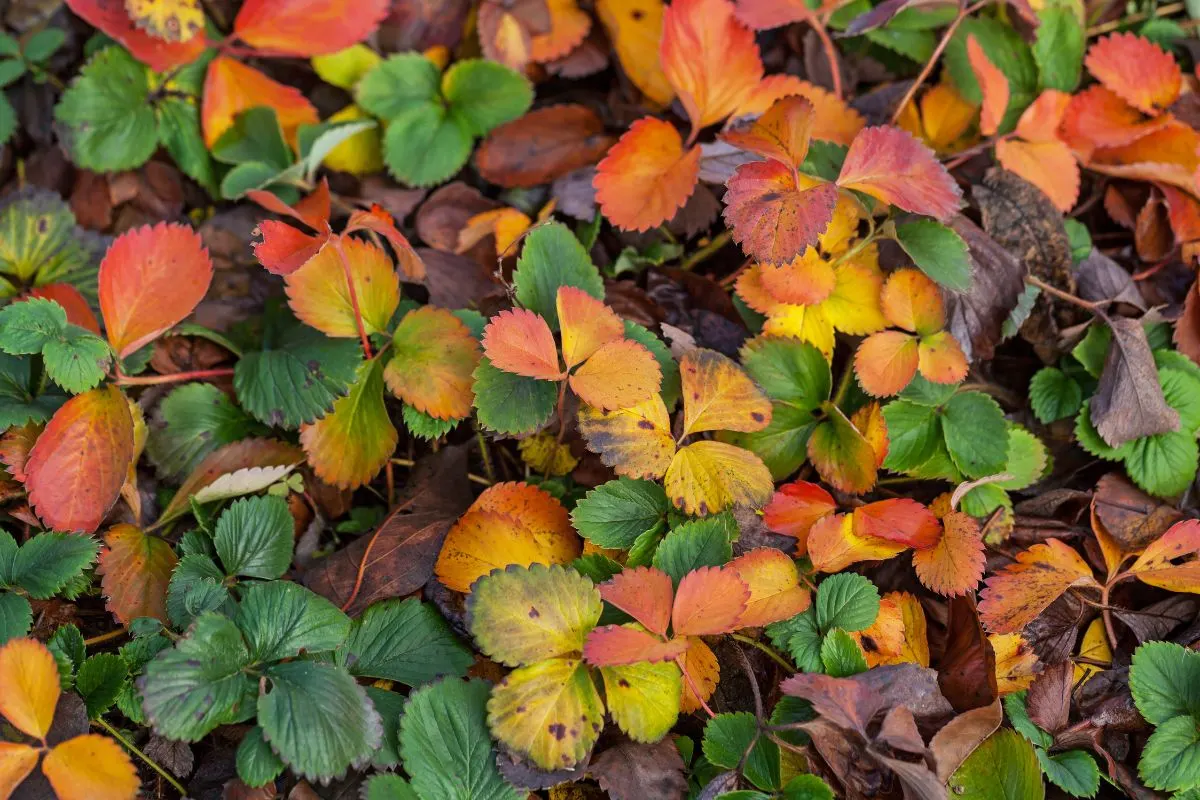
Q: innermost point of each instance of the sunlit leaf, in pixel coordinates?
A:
(1160, 563)
(232, 87)
(708, 476)
(773, 216)
(635, 28)
(709, 600)
(992, 83)
(899, 520)
(111, 17)
(636, 441)
(774, 583)
(891, 166)
(645, 593)
(304, 27)
(91, 767)
(620, 645)
(647, 176)
(320, 296)
(643, 699)
(620, 374)
(586, 323)
(885, 362)
(782, 133)
(833, 545)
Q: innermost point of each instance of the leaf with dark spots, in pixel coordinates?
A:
(1025, 222)
(1129, 402)
(967, 675)
(976, 318)
(1130, 516)
(632, 771)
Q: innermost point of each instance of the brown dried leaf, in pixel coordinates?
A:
(543, 145)
(976, 318)
(1025, 222)
(1129, 515)
(1098, 278)
(1049, 698)
(960, 736)
(967, 676)
(446, 212)
(1129, 402)
(632, 771)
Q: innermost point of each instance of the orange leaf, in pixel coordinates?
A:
(75, 471)
(635, 442)
(833, 545)
(898, 520)
(618, 645)
(709, 600)
(151, 278)
(379, 221)
(833, 119)
(16, 762)
(1041, 121)
(307, 27)
(702, 671)
(1157, 564)
(29, 676)
(135, 570)
(568, 28)
(808, 280)
(1017, 594)
(432, 363)
(885, 362)
(762, 15)
(772, 217)
(644, 593)
(91, 767)
(1016, 662)
(781, 134)
(955, 564)
(992, 83)
(1168, 155)
(320, 295)
(883, 642)
(1050, 166)
(77, 308)
(913, 302)
(942, 359)
(709, 57)
(1137, 70)
(754, 292)
(1101, 118)
(795, 508)
(916, 640)
(635, 27)
(519, 341)
(890, 165)
(618, 375)
(774, 583)
(870, 422)
(841, 455)
(111, 17)
(587, 324)
(646, 176)
(231, 87)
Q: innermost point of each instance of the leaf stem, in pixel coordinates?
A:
(692, 685)
(835, 72)
(104, 637)
(1061, 295)
(168, 777)
(767, 649)
(174, 377)
(358, 318)
(927, 70)
(706, 252)
(843, 387)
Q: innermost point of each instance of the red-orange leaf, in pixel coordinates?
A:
(992, 83)
(307, 27)
(231, 87)
(835, 120)
(772, 217)
(781, 134)
(520, 342)
(1101, 118)
(75, 471)
(1137, 70)
(912, 301)
(1049, 165)
(644, 593)
(285, 249)
(709, 600)
(954, 565)
(774, 583)
(1017, 594)
(647, 176)
(885, 362)
(617, 645)
(135, 570)
(898, 520)
(890, 165)
(587, 324)
(709, 57)
(111, 17)
(795, 508)
(150, 279)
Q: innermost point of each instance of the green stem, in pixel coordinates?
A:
(168, 777)
(770, 651)
(843, 387)
(706, 252)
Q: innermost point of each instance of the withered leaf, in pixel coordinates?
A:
(1053, 634)
(1129, 515)
(968, 669)
(1158, 620)
(959, 738)
(543, 145)
(1129, 403)
(1025, 222)
(1049, 698)
(1098, 278)
(631, 770)
(976, 318)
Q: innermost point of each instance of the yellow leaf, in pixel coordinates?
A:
(854, 306)
(16, 762)
(1094, 646)
(704, 672)
(833, 545)
(345, 68)
(30, 680)
(636, 441)
(807, 323)
(167, 20)
(916, 639)
(620, 374)
(352, 443)
(1170, 561)
(362, 153)
(587, 324)
(320, 296)
(91, 767)
(635, 28)
(505, 224)
(545, 454)
(719, 396)
(883, 642)
(549, 711)
(643, 698)
(1016, 662)
(708, 476)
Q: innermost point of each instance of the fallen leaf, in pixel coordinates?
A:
(890, 165)
(542, 146)
(135, 569)
(1128, 403)
(633, 770)
(647, 176)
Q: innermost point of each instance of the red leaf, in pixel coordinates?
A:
(898, 520)
(135, 570)
(150, 280)
(644, 593)
(77, 467)
(772, 218)
(111, 17)
(1137, 70)
(285, 249)
(992, 83)
(890, 165)
(307, 27)
(617, 645)
(796, 507)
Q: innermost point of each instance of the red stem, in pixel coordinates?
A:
(835, 71)
(174, 377)
(358, 320)
(963, 13)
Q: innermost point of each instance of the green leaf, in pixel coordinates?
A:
(1181, 390)
(400, 83)
(99, 682)
(257, 764)
(48, 562)
(841, 656)
(9, 46)
(424, 426)
(384, 786)
(1092, 349)
(937, 251)
(1058, 48)
(615, 514)
(26, 327)
(1027, 460)
(254, 136)
(405, 641)
(727, 737)
(1018, 715)
(18, 403)
(847, 601)
(326, 140)
(485, 94)
(179, 132)
(106, 118)
(801, 638)
(16, 616)
(976, 434)
(254, 538)
(783, 444)
(1165, 681)
(1163, 464)
(390, 706)
(43, 44)
(1089, 439)
(1054, 395)
(195, 587)
(1171, 758)
(67, 641)
(1007, 50)
(551, 258)
(78, 361)
(190, 689)
(426, 145)
(1075, 771)
(788, 370)
(445, 744)
(252, 175)
(40, 243)
(511, 404)
(317, 719)
(917, 46)
(1080, 237)
(914, 432)
(1004, 767)
(11, 71)
(8, 122)
(279, 619)
(695, 544)
(192, 421)
(297, 375)
(807, 787)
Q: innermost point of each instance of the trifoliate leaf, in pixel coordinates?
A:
(485, 94)
(254, 538)
(615, 514)
(107, 120)
(847, 601)
(551, 257)
(1054, 395)
(20, 402)
(196, 584)
(279, 619)
(405, 641)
